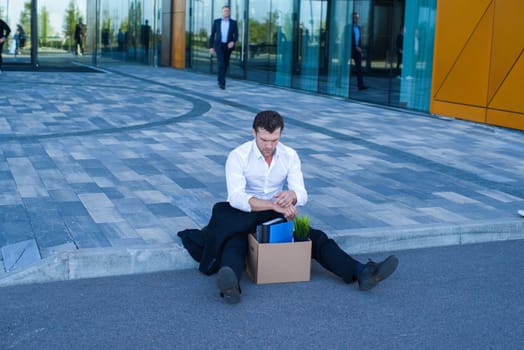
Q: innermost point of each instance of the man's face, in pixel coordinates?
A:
(225, 12)
(355, 18)
(267, 141)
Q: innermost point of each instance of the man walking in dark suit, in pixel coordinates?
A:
(224, 35)
(356, 51)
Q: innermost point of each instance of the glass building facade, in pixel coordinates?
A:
(298, 44)
(113, 31)
(306, 45)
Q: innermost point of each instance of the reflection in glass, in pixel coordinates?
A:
(339, 49)
(284, 42)
(62, 32)
(418, 54)
(311, 31)
(261, 49)
(304, 44)
(199, 33)
(130, 30)
(84, 31)
(17, 15)
(236, 62)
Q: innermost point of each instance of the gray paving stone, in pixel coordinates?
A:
(95, 167)
(20, 255)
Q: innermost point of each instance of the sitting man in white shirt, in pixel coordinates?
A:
(256, 173)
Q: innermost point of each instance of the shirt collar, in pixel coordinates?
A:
(259, 154)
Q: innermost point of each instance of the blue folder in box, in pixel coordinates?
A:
(281, 233)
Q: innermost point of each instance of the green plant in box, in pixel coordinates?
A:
(302, 228)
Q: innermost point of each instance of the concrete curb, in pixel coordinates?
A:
(101, 262)
(372, 240)
(105, 262)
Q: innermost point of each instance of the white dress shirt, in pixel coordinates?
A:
(248, 175)
(224, 30)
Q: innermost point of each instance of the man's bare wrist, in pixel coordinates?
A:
(295, 199)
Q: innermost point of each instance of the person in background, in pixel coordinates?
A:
(356, 51)
(224, 35)
(19, 39)
(257, 173)
(16, 43)
(4, 33)
(79, 38)
(22, 37)
(145, 37)
(120, 38)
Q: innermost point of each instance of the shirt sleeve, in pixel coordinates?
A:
(295, 179)
(236, 182)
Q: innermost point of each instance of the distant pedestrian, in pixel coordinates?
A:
(19, 38)
(79, 38)
(120, 38)
(145, 37)
(356, 51)
(4, 33)
(224, 35)
(22, 36)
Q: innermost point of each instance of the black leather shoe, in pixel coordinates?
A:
(360, 88)
(373, 272)
(228, 285)
(222, 86)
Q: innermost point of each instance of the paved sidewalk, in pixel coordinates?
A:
(99, 171)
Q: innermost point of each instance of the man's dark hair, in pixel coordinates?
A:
(268, 120)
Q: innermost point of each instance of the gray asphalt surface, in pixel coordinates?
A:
(460, 297)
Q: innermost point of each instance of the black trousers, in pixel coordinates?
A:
(234, 250)
(357, 57)
(223, 54)
(79, 47)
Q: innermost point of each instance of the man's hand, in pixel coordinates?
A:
(230, 44)
(212, 51)
(285, 198)
(289, 212)
(2, 40)
(283, 203)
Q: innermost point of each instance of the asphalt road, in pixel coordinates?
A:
(462, 297)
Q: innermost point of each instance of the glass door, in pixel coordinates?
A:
(310, 44)
(199, 31)
(269, 49)
(17, 15)
(129, 30)
(237, 60)
(417, 61)
(63, 33)
(335, 80)
(380, 23)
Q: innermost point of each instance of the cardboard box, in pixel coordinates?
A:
(278, 262)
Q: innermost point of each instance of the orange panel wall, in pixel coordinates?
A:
(478, 69)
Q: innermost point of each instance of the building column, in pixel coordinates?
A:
(178, 34)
